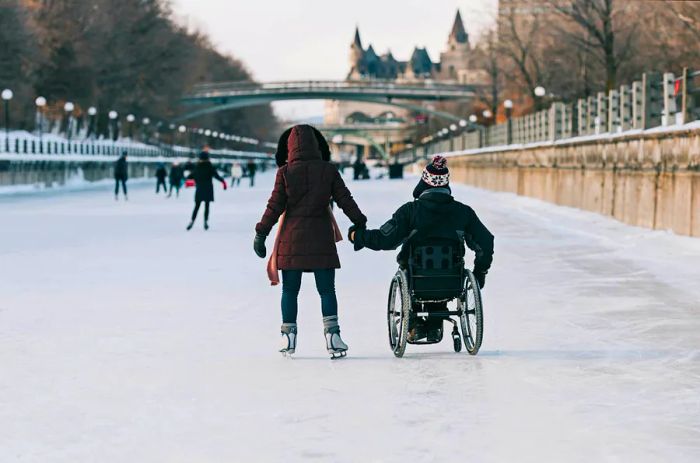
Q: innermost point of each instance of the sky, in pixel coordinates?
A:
(310, 39)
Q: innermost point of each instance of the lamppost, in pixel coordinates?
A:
(539, 92)
(6, 97)
(40, 102)
(473, 120)
(144, 128)
(130, 119)
(182, 129)
(92, 112)
(68, 108)
(113, 115)
(508, 105)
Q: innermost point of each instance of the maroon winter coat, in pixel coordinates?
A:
(303, 190)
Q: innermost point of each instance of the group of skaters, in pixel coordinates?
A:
(307, 232)
(199, 174)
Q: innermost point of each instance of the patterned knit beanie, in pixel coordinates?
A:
(435, 175)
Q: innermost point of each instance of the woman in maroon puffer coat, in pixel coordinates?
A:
(304, 186)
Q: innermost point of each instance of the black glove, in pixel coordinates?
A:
(351, 231)
(480, 276)
(259, 245)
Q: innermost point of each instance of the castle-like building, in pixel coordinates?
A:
(459, 64)
(456, 63)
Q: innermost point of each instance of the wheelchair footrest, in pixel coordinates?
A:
(441, 314)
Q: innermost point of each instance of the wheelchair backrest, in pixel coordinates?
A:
(436, 268)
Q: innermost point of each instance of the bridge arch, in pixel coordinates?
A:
(255, 101)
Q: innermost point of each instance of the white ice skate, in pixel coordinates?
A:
(334, 343)
(289, 339)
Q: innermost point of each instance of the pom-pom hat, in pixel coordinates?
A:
(435, 175)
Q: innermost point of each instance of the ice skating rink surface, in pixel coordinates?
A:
(124, 338)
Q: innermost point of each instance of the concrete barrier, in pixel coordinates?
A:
(648, 179)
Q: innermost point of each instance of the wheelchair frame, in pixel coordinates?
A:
(469, 310)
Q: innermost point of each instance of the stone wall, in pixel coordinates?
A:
(650, 180)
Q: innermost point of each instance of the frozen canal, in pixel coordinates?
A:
(124, 338)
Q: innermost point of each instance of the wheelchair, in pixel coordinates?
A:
(432, 276)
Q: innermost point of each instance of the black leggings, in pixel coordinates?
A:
(161, 182)
(196, 210)
(116, 186)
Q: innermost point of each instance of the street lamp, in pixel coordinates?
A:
(508, 105)
(92, 129)
(473, 118)
(540, 92)
(453, 127)
(487, 114)
(130, 119)
(144, 128)
(113, 115)
(40, 102)
(6, 97)
(463, 123)
(68, 108)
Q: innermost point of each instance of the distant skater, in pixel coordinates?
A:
(176, 177)
(252, 168)
(161, 173)
(236, 173)
(121, 175)
(203, 174)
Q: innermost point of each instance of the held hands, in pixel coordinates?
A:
(352, 232)
(259, 245)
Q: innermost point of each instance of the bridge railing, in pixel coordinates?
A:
(26, 145)
(356, 86)
(656, 101)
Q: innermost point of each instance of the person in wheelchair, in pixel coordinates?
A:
(433, 218)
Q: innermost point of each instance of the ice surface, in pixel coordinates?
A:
(124, 338)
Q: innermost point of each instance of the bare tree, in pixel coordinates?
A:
(601, 29)
(520, 42)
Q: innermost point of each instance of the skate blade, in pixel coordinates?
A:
(287, 353)
(338, 354)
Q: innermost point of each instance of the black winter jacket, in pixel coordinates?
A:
(202, 175)
(435, 214)
(121, 171)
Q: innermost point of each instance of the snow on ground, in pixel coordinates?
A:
(125, 338)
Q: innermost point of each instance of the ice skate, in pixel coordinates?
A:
(206, 225)
(191, 224)
(289, 339)
(334, 343)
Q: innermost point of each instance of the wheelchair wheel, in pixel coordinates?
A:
(398, 311)
(472, 317)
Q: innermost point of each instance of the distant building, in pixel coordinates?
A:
(458, 65)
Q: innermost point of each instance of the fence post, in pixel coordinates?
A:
(669, 102)
(613, 111)
(582, 115)
(602, 113)
(652, 86)
(592, 110)
(638, 104)
(625, 108)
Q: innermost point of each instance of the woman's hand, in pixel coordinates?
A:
(352, 232)
(259, 245)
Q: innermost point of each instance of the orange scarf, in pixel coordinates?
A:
(272, 270)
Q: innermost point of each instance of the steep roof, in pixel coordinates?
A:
(458, 33)
(357, 41)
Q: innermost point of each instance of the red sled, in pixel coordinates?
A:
(189, 183)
